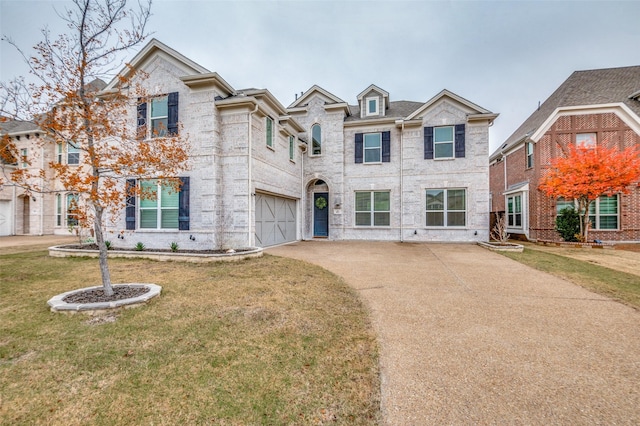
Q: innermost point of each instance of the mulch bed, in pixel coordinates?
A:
(97, 295)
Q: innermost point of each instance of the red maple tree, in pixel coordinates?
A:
(586, 173)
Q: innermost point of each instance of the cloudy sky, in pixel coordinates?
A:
(504, 56)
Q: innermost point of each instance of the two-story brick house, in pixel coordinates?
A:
(591, 107)
(262, 174)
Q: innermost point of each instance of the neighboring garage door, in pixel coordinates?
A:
(275, 220)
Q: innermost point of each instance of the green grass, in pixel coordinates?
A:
(265, 341)
(618, 285)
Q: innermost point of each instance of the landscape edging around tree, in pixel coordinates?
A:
(58, 304)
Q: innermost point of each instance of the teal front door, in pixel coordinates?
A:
(321, 214)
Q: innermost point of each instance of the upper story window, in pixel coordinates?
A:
(316, 140)
(159, 116)
(443, 142)
(373, 106)
(372, 148)
(269, 131)
(24, 158)
(529, 146)
(73, 154)
(161, 112)
(292, 143)
(586, 140)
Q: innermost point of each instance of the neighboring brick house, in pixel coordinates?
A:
(262, 174)
(591, 107)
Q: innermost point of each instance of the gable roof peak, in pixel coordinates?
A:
(152, 47)
(305, 96)
(373, 88)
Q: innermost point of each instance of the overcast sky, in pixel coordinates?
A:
(503, 56)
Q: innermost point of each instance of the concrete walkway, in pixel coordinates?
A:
(471, 337)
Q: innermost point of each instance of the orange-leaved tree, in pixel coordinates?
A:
(586, 173)
(70, 106)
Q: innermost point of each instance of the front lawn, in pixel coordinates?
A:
(599, 279)
(265, 341)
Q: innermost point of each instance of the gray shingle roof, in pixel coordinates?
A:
(590, 87)
(16, 126)
(397, 109)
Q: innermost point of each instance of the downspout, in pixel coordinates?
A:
(42, 194)
(250, 236)
(302, 194)
(402, 182)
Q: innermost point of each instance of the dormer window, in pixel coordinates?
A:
(373, 106)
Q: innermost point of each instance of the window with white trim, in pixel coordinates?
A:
(316, 140)
(563, 203)
(58, 209)
(587, 140)
(373, 208)
(71, 211)
(158, 206)
(159, 116)
(446, 207)
(373, 106)
(73, 154)
(603, 212)
(269, 131)
(514, 211)
(372, 147)
(443, 142)
(292, 142)
(529, 146)
(24, 158)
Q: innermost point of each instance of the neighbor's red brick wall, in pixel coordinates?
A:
(611, 131)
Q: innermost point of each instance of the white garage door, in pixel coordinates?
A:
(275, 220)
(5, 217)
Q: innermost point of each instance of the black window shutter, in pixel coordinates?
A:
(172, 105)
(142, 119)
(459, 141)
(386, 147)
(183, 205)
(359, 147)
(130, 209)
(428, 143)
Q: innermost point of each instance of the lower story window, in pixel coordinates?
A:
(514, 211)
(158, 205)
(72, 210)
(373, 208)
(446, 207)
(603, 212)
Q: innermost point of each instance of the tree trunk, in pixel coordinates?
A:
(102, 248)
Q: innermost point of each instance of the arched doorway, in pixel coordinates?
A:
(320, 209)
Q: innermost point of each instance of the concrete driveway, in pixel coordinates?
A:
(468, 336)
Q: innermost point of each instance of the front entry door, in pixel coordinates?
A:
(321, 214)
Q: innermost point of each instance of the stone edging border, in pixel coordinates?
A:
(512, 247)
(574, 245)
(61, 251)
(57, 303)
